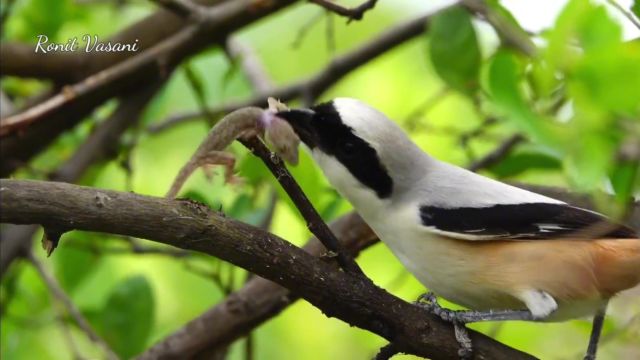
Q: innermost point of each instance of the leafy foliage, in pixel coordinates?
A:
(454, 50)
(127, 318)
(576, 101)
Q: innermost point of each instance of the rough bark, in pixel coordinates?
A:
(190, 225)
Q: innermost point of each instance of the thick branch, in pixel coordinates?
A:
(16, 240)
(20, 59)
(113, 77)
(192, 226)
(257, 301)
(61, 114)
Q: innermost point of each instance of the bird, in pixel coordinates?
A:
(502, 252)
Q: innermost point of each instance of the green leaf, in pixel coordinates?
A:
(41, 17)
(73, 265)
(517, 163)
(635, 8)
(248, 209)
(252, 170)
(454, 50)
(309, 177)
(505, 85)
(128, 315)
(590, 159)
(330, 210)
(625, 180)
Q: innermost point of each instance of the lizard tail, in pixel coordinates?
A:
(181, 178)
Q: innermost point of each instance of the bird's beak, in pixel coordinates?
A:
(301, 120)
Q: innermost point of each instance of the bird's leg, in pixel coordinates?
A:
(596, 330)
(459, 318)
(428, 301)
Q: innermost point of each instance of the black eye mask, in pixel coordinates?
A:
(322, 127)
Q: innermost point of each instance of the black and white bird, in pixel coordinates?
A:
(472, 240)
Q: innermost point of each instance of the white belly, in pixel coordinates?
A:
(440, 268)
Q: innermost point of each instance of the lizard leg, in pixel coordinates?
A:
(220, 158)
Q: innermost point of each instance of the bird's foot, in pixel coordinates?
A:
(459, 318)
(430, 303)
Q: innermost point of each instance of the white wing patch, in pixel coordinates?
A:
(466, 235)
(551, 227)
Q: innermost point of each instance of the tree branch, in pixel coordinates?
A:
(510, 34)
(61, 114)
(251, 66)
(19, 59)
(192, 226)
(183, 8)
(315, 224)
(497, 154)
(355, 13)
(257, 301)
(16, 240)
(318, 83)
(628, 14)
(59, 294)
(111, 77)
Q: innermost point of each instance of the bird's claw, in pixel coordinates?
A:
(429, 302)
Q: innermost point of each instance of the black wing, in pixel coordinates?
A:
(518, 221)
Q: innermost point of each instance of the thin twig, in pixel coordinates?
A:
(251, 65)
(330, 34)
(96, 147)
(68, 336)
(322, 80)
(265, 223)
(316, 225)
(57, 292)
(628, 14)
(425, 107)
(92, 84)
(304, 29)
(222, 19)
(355, 13)
(510, 33)
(498, 154)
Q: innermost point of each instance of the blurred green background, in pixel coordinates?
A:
(577, 103)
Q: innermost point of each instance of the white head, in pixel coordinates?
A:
(363, 154)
